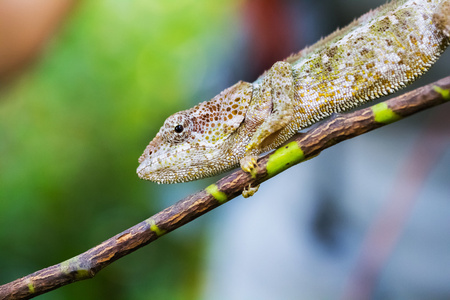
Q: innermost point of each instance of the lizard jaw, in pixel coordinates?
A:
(144, 172)
(147, 170)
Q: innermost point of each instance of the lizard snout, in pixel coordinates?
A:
(141, 169)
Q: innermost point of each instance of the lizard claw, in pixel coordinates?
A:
(249, 191)
(248, 163)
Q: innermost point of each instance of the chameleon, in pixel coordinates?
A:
(377, 54)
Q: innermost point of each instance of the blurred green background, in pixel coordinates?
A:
(73, 126)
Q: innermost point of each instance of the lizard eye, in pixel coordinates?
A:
(179, 128)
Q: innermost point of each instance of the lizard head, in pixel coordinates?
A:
(197, 142)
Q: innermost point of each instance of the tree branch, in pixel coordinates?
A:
(303, 146)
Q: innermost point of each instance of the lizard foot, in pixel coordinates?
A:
(249, 191)
(248, 163)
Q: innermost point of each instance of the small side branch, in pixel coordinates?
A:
(302, 147)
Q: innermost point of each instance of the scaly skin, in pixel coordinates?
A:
(382, 51)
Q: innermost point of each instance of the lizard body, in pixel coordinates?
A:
(375, 55)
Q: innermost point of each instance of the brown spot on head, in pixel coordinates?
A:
(370, 65)
(331, 52)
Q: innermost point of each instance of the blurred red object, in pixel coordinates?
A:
(25, 27)
(271, 31)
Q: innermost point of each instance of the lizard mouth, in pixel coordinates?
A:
(145, 172)
(141, 171)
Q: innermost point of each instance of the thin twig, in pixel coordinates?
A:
(302, 147)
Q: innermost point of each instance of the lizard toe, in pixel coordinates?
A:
(248, 163)
(249, 191)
